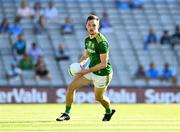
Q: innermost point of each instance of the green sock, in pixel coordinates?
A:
(108, 110)
(68, 108)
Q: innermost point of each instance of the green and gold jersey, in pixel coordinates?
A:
(96, 46)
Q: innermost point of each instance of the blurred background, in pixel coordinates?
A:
(39, 39)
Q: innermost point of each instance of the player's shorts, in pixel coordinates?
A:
(99, 81)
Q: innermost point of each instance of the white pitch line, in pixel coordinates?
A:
(97, 123)
(87, 119)
(99, 128)
(95, 119)
(99, 117)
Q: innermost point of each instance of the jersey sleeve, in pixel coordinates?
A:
(103, 47)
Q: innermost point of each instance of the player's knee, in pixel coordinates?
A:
(99, 98)
(71, 90)
(72, 87)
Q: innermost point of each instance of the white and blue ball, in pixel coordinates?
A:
(74, 68)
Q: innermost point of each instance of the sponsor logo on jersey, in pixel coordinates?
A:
(90, 47)
(91, 50)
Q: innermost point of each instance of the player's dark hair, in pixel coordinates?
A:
(92, 17)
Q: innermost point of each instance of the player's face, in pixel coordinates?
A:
(92, 26)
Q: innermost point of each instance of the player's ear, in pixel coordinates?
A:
(99, 25)
(86, 27)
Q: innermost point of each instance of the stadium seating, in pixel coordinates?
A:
(126, 40)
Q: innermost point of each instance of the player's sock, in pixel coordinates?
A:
(108, 111)
(68, 108)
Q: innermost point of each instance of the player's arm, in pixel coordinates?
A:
(103, 64)
(84, 56)
(104, 56)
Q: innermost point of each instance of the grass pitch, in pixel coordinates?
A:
(87, 118)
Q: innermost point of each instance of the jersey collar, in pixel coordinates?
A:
(93, 36)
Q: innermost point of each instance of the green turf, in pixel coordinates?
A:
(87, 118)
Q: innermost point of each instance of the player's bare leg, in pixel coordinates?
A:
(99, 95)
(75, 84)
